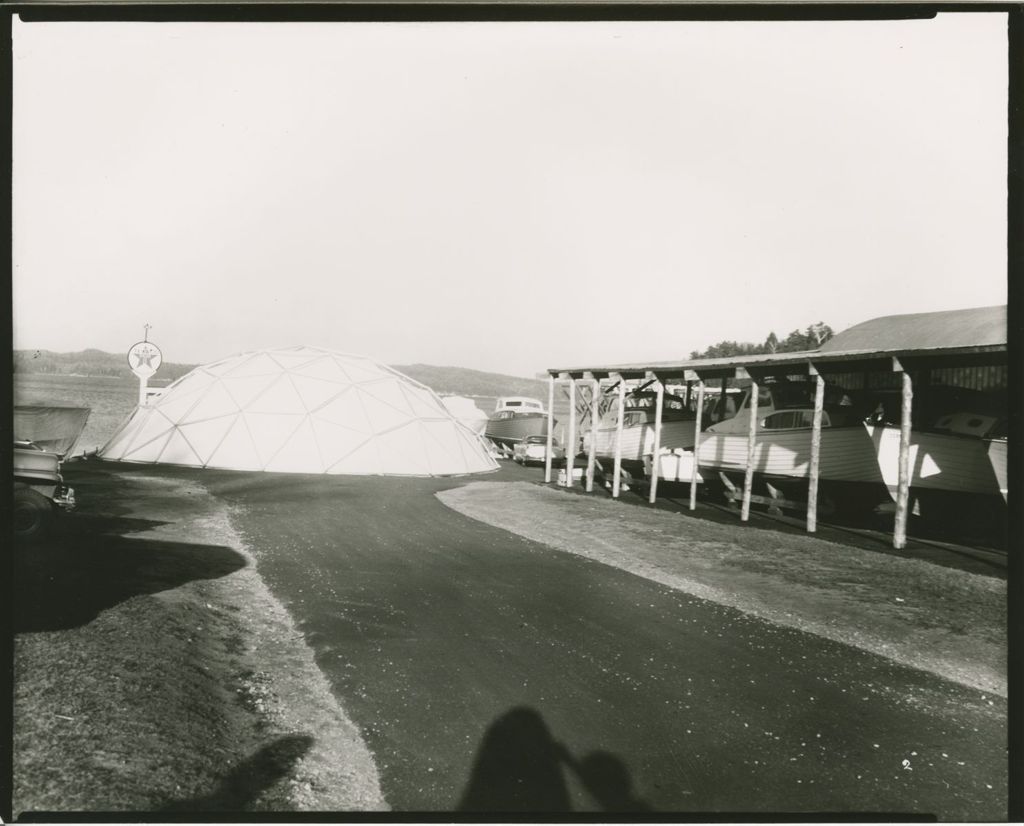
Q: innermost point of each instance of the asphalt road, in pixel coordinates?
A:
(492, 673)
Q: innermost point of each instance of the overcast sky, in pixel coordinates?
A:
(501, 196)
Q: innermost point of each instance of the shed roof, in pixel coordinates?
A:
(974, 327)
(947, 338)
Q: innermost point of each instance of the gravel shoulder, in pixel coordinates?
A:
(154, 671)
(941, 620)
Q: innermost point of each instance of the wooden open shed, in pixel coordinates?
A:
(966, 348)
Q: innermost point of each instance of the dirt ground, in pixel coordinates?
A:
(154, 671)
(439, 631)
(942, 620)
(142, 683)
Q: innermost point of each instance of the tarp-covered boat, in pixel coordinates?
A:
(52, 428)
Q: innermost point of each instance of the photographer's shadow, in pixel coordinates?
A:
(607, 780)
(520, 767)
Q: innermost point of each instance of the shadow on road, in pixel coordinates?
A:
(244, 784)
(66, 581)
(72, 528)
(520, 768)
(607, 780)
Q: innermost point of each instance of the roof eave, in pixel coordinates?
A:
(761, 363)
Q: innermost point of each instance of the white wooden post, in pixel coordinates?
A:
(570, 447)
(657, 442)
(812, 480)
(551, 428)
(696, 445)
(616, 482)
(899, 538)
(595, 411)
(748, 479)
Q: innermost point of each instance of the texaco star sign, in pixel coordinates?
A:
(144, 358)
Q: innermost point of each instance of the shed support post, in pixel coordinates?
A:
(696, 445)
(812, 480)
(657, 443)
(570, 442)
(899, 538)
(595, 408)
(748, 479)
(551, 429)
(616, 481)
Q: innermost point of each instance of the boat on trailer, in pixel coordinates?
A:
(514, 419)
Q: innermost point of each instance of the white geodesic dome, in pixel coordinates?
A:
(300, 410)
(466, 411)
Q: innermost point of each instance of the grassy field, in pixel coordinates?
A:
(154, 671)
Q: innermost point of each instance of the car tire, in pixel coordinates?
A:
(33, 514)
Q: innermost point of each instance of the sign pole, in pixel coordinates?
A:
(144, 359)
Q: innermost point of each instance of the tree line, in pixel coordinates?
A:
(809, 339)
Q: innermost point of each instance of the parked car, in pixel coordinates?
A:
(39, 490)
(534, 449)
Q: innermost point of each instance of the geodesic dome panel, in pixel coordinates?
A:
(466, 411)
(300, 410)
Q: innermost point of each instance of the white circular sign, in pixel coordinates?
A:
(144, 358)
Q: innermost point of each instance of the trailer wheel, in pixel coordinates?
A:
(33, 513)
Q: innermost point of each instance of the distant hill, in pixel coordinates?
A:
(88, 363)
(456, 380)
(465, 382)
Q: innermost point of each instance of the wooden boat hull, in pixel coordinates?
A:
(507, 432)
(862, 464)
(997, 456)
(942, 462)
(847, 454)
(638, 440)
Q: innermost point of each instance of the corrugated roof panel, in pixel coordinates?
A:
(946, 334)
(975, 327)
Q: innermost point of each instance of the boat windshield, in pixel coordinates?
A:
(525, 404)
(795, 395)
(794, 419)
(791, 395)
